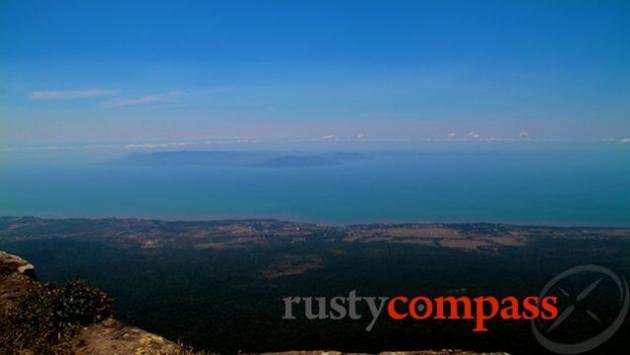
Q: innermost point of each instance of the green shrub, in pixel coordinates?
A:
(80, 304)
(44, 321)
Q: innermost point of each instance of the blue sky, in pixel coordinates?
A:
(154, 71)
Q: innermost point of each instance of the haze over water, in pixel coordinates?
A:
(526, 183)
(452, 105)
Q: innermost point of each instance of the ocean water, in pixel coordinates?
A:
(586, 184)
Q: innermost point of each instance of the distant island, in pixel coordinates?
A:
(238, 159)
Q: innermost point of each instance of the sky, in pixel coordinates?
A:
(141, 72)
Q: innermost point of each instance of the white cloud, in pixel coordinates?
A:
(360, 136)
(625, 140)
(158, 145)
(452, 135)
(524, 134)
(70, 94)
(328, 137)
(142, 100)
(473, 134)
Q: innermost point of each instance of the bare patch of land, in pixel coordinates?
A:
(237, 234)
(289, 265)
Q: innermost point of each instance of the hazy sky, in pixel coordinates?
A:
(143, 71)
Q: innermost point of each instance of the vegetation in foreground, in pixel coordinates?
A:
(46, 319)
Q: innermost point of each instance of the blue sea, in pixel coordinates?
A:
(555, 184)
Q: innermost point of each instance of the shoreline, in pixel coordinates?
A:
(312, 222)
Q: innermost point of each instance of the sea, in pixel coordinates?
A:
(533, 183)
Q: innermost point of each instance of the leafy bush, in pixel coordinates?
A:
(44, 321)
(80, 304)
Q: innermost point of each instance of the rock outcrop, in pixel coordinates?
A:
(116, 338)
(17, 277)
